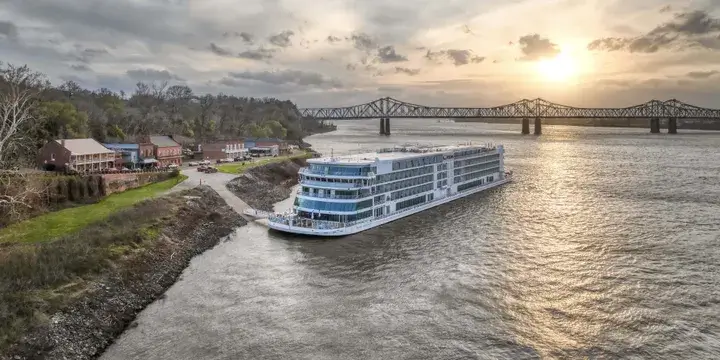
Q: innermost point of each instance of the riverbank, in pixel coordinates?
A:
(71, 297)
(263, 186)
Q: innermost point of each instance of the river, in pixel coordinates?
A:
(607, 245)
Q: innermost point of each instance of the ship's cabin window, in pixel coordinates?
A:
(343, 170)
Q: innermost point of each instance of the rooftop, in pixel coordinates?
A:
(121, 146)
(83, 146)
(398, 152)
(163, 141)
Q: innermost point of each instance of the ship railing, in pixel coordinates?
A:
(308, 171)
(330, 196)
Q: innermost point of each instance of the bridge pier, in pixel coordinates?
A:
(538, 126)
(387, 126)
(525, 126)
(382, 126)
(672, 126)
(655, 126)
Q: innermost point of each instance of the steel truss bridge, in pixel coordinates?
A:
(524, 109)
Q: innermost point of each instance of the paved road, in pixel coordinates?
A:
(217, 182)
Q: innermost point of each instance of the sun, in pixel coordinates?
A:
(562, 68)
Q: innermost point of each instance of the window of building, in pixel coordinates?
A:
(52, 157)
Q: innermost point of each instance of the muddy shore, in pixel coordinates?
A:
(110, 301)
(263, 186)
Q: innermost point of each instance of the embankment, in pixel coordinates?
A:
(69, 298)
(262, 186)
(45, 192)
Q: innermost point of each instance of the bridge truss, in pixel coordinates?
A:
(390, 108)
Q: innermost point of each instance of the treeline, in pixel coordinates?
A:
(70, 111)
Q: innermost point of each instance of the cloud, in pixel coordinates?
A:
(333, 39)
(151, 75)
(685, 31)
(407, 71)
(282, 39)
(80, 67)
(458, 57)
(246, 37)
(8, 30)
(217, 50)
(363, 42)
(702, 74)
(666, 8)
(282, 77)
(535, 47)
(387, 54)
(257, 54)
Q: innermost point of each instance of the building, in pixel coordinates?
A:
(76, 154)
(265, 151)
(267, 142)
(166, 150)
(129, 154)
(228, 149)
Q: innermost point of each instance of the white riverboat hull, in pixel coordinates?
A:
(358, 227)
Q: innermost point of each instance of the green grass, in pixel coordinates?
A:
(239, 168)
(55, 224)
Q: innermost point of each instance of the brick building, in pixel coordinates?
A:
(166, 150)
(227, 149)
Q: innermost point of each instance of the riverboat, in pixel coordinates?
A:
(343, 195)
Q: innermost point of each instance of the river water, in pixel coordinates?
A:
(607, 245)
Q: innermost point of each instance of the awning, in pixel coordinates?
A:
(148, 161)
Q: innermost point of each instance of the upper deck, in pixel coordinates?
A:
(394, 153)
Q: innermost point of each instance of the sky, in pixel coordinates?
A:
(331, 53)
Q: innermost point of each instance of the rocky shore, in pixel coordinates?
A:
(107, 303)
(263, 186)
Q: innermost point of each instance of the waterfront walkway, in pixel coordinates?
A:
(217, 182)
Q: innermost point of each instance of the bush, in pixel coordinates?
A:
(175, 173)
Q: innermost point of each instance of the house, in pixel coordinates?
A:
(228, 149)
(76, 154)
(166, 150)
(267, 142)
(129, 154)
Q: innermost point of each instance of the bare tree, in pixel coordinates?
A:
(19, 90)
(21, 194)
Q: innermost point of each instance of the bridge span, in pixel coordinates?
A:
(387, 108)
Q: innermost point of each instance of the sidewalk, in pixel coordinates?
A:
(217, 182)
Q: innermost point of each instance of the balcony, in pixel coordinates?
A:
(332, 196)
(309, 171)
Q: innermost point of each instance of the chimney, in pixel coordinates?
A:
(62, 142)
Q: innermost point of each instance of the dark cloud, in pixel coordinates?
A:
(406, 71)
(458, 57)
(257, 54)
(363, 42)
(333, 39)
(351, 67)
(295, 77)
(282, 39)
(535, 47)
(80, 67)
(387, 54)
(702, 74)
(8, 30)
(666, 8)
(86, 55)
(246, 37)
(686, 30)
(151, 75)
(217, 50)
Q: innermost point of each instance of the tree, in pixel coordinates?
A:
(19, 91)
(63, 120)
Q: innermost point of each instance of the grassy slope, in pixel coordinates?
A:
(38, 279)
(239, 168)
(67, 221)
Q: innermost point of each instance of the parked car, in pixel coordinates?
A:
(210, 170)
(193, 163)
(202, 168)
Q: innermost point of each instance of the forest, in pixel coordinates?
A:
(34, 111)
